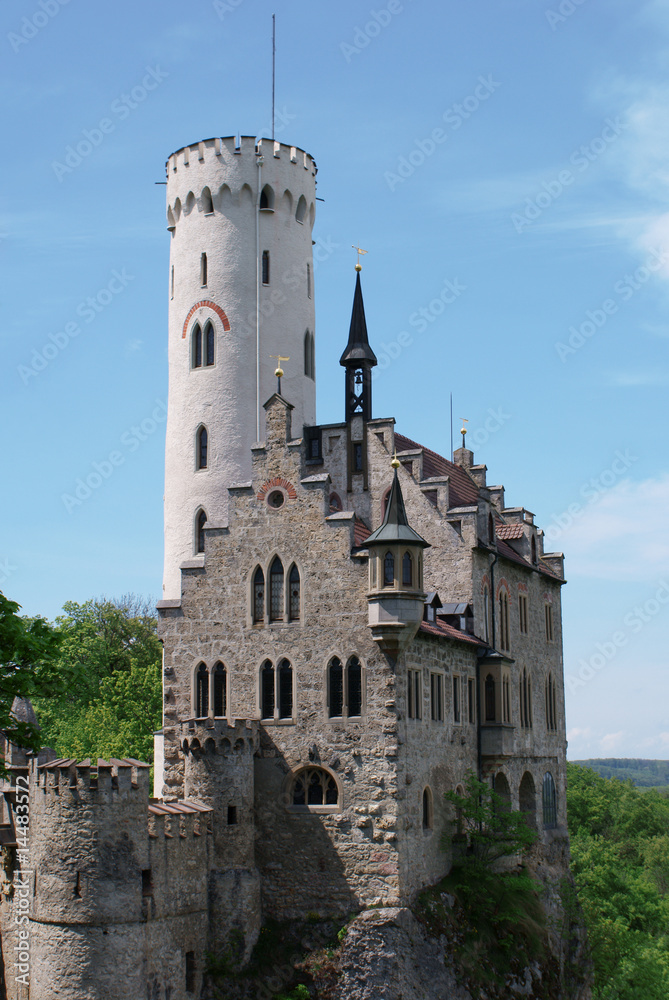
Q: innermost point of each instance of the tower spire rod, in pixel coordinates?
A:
(273, 68)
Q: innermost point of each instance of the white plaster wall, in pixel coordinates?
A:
(223, 397)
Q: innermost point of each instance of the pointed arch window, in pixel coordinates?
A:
(407, 570)
(354, 686)
(202, 443)
(335, 688)
(504, 619)
(201, 692)
(344, 688)
(389, 570)
(549, 801)
(258, 596)
(220, 691)
(207, 202)
(276, 591)
(294, 594)
(285, 691)
(209, 343)
(267, 199)
(551, 703)
(490, 698)
(309, 356)
(313, 786)
(301, 210)
(427, 809)
(200, 522)
(196, 346)
(267, 690)
(265, 267)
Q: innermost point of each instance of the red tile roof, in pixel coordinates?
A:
(507, 531)
(444, 631)
(463, 490)
(360, 531)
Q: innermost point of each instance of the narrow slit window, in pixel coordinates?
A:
(427, 809)
(258, 596)
(265, 267)
(490, 698)
(267, 690)
(203, 269)
(190, 972)
(389, 570)
(202, 440)
(456, 699)
(354, 679)
(471, 700)
(201, 692)
(172, 283)
(232, 815)
(276, 591)
(285, 690)
(197, 346)
(308, 281)
(407, 570)
(199, 531)
(209, 342)
(220, 691)
(294, 595)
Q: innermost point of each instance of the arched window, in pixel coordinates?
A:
(265, 267)
(389, 570)
(549, 800)
(200, 522)
(258, 596)
(335, 688)
(551, 703)
(407, 570)
(285, 690)
(486, 614)
(354, 678)
(309, 356)
(202, 448)
(308, 281)
(203, 269)
(501, 788)
(490, 698)
(335, 502)
(312, 355)
(276, 591)
(267, 199)
(294, 594)
(267, 690)
(528, 800)
(313, 786)
(503, 619)
(220, 691)
(201, 692)
(207, 202)
(209, 340)
(427, 809)
(196, 346)
(525, 700)
(301, 210)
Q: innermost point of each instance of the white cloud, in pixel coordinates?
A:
(611, 741)
(621, 534)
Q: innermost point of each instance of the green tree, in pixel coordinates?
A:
(117, 705)
(29, 668)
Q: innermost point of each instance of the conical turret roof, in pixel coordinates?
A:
(358, 348)
(395, 526)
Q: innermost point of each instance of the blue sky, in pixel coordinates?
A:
(515, 149)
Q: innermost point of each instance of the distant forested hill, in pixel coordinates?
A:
(643, 773)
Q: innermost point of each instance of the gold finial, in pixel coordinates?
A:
(279, 370)
(395, 461)
(359, 251)
(463, 430)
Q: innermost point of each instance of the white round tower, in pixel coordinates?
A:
(241, 289)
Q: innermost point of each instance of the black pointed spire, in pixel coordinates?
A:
(395, 526)
(358, 348)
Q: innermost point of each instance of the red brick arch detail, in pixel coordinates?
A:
(272, 484)
(210, 305)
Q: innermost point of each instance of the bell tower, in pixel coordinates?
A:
(358, 359)
(240, 215)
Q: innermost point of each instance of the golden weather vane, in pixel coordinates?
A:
(463, 429)
(359, 251)
(279, 370)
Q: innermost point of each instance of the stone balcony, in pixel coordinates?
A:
(498, 739)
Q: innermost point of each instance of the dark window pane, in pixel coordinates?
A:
(357, 458)
(201, 521)
(315, 789)
(276, 591)
(197, 346)
(389, 570)
(331, 796)
(294, 589)
(265, 267)
(490, 698)
(354, 686)
(220, 692)
(202, 448)
(336, 687)
(267, 690)
(285, 690)
(259, 596)
(209, 334)
(407, 569)
(201, 692)
(299, 798)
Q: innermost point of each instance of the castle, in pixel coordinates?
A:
(351, 623)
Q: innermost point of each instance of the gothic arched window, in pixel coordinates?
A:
(201, 692)
(209, 340)
(354, 686)
(267, 690)
(196, 346)
(220, 691)
(276, 591)
(301, 209)
(313, 786)
(258, 596)
(335, 688)
(549, 800)
(202, 440)
(207, 202)
(407, 569)
(200, 522)
(389, 570)
(285, 690)
(294, 594)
